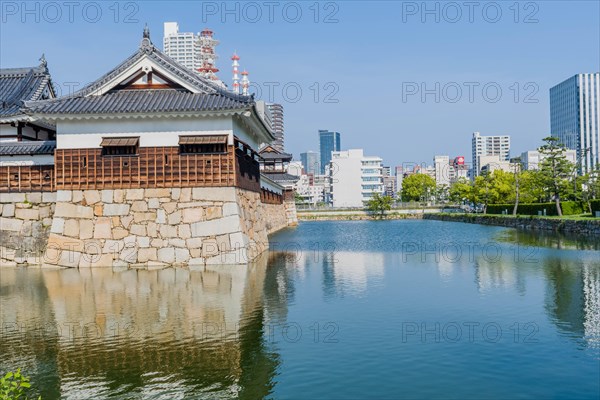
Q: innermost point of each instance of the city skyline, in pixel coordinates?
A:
(425, 127)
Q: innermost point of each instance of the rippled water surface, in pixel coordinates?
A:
(394, 309)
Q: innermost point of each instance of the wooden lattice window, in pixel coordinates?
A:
(205, 144)
(120, 146)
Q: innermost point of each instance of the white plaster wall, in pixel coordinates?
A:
(153, 132)
(46, 159)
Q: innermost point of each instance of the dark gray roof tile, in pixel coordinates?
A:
(27, 148)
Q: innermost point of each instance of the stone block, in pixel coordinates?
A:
(113, 246)
(214, 194)
(11, 224)
(77, 196)
(174, 218)
(213, 212)
(223, 243)
(152, 229)
(157, 243)
(153, 204)
(210, 248)
(185, 195)
(96, 261)
(8, 210)
(129, 254)
(102, 228)
(175, 193)
(58, 225)
(231, 258)
(143, 241)
(71, 228)
(111, 210)
(138, 230)
(119, 233)
(196, 262)
(139, 206)
(23, 205)
(12, 197)
(91, 196)
(176, 242)
(144, 216)
(191, 215)
(194, 243)
(166, 255)
(161, 216)
(161, 192)
(107, 196)
(149, 254)
(98, 210)
(185, 231)
(134, 194)
(119, 196)
(230, 209)
(182, 256)
(34, 197)
(92, 247)
(238, 240)
(69, 259)
(45, 211)
(68, 210)
(216, 226)
(31, 214)
(64, 196)
(169, 207)
(168, 231)
(126, 221)
(49, 197)
(86, 229)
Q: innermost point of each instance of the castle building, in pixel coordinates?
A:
(156, 165)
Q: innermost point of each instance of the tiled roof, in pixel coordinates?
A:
(27, 148)
(21, 84)
(281, 177)
(139, 101)
(267, 155)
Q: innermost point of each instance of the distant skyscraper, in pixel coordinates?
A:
(278, 126)
(575, 117)
(311, 162)
(356, 178)
(329, 141)
(182, 47)
(489, 146)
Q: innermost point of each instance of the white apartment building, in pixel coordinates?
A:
(530, 160)
(355, 178)
(183, 47)
(442, 170)
(488, 146)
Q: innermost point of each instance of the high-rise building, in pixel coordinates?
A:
(442, 170)
(278, 126)
(194, 51)
(530, 160)
(575, 117)
(355, 178)
(311, 162)
(183, 47)
(329, 141)
(489, 146)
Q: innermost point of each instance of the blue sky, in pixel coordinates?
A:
(373, 58)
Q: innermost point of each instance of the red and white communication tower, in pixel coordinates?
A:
(208, 56)
(245, 83)
(236, 78)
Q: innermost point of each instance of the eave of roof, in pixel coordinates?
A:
(27, 148)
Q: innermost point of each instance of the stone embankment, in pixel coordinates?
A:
(138, 228)
(359, 215)
(582, 227)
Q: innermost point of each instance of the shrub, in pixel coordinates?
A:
(568, 208)
(595, 206)
(14, 385)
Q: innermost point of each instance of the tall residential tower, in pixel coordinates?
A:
(483, 146)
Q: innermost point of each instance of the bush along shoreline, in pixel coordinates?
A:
(589, 226)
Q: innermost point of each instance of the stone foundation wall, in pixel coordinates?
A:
(25, 220)
(140, 228)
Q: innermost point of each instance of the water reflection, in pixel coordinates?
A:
(555, 240)
(179, 333)
(170, 332)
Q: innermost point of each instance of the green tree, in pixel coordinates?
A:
(460, 190)
(416, 187)
(555, 169)
(379, 204)
(531, 187)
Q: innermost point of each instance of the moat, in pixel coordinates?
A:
(335, 309)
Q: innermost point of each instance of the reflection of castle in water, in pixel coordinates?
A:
(204, 327)
(349, 273)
